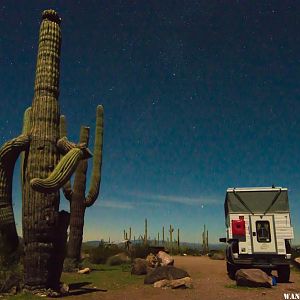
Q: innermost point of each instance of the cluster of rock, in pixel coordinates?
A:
(253, 278)
(160, 271)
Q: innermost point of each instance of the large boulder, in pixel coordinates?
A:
(165, 259)
(185, 282)
(218, 256)
(165, 272)
(253, 278)
(139, 267)
(118, 259)
(152, 260)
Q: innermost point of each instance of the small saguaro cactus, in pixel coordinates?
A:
(163, 235)
(178, 241)
(76, 195)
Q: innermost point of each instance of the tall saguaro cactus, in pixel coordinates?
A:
(42, 171)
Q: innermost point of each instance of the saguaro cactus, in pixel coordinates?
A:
(44, 227)
(78, 200)
(146, 233)
(205, 240)
(171, 230)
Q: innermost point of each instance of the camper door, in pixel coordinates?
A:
(263, 234)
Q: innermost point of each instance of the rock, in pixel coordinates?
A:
(218, 256)
(162, 283)
(165, 259)
(84, 271)
(165, 272)
(253, 278)
(11, 284)
(139, 267)
(118, 259)
(185, 282)
(64, 289)
(152, 260)
(297, 261)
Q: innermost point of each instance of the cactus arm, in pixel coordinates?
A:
(61, 174)
(62, 126)
(9, 153)
(64, 145)
(97, 160)
(26, 131)
(67, 188)
(14, 146)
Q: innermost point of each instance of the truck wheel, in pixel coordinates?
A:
(283, 273)
(231, 270)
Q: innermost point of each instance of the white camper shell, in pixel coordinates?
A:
(258, 227)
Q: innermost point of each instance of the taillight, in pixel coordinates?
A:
(238, 228)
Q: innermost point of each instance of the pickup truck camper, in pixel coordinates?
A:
(259, 231)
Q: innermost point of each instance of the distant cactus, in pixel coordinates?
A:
(205, 240)
(146, 233)
(78, 200)
(171, 230)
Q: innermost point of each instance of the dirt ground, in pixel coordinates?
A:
(210, 281)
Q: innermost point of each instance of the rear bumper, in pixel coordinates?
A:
(270, 262)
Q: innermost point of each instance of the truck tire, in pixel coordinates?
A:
(231, 270)
(283, 273)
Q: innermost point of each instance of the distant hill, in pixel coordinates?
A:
(91, 244)
(184, 244)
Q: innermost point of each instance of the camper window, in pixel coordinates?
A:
(263, 231)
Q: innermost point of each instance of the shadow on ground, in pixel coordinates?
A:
(80, 288)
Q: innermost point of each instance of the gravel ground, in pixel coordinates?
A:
(210, 281)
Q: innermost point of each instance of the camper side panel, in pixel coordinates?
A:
(283, 230)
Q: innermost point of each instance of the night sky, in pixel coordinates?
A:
(198, 96)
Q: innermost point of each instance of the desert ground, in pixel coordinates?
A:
(210, 282)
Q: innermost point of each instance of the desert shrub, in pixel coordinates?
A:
(70, 265)
(11, 271)
(100, 254)
(140, 251)
(118, 259)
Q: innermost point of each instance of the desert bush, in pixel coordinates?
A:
(118, 259)
(100, 254)
(140, 251)
(70, 265)
(11, 271)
